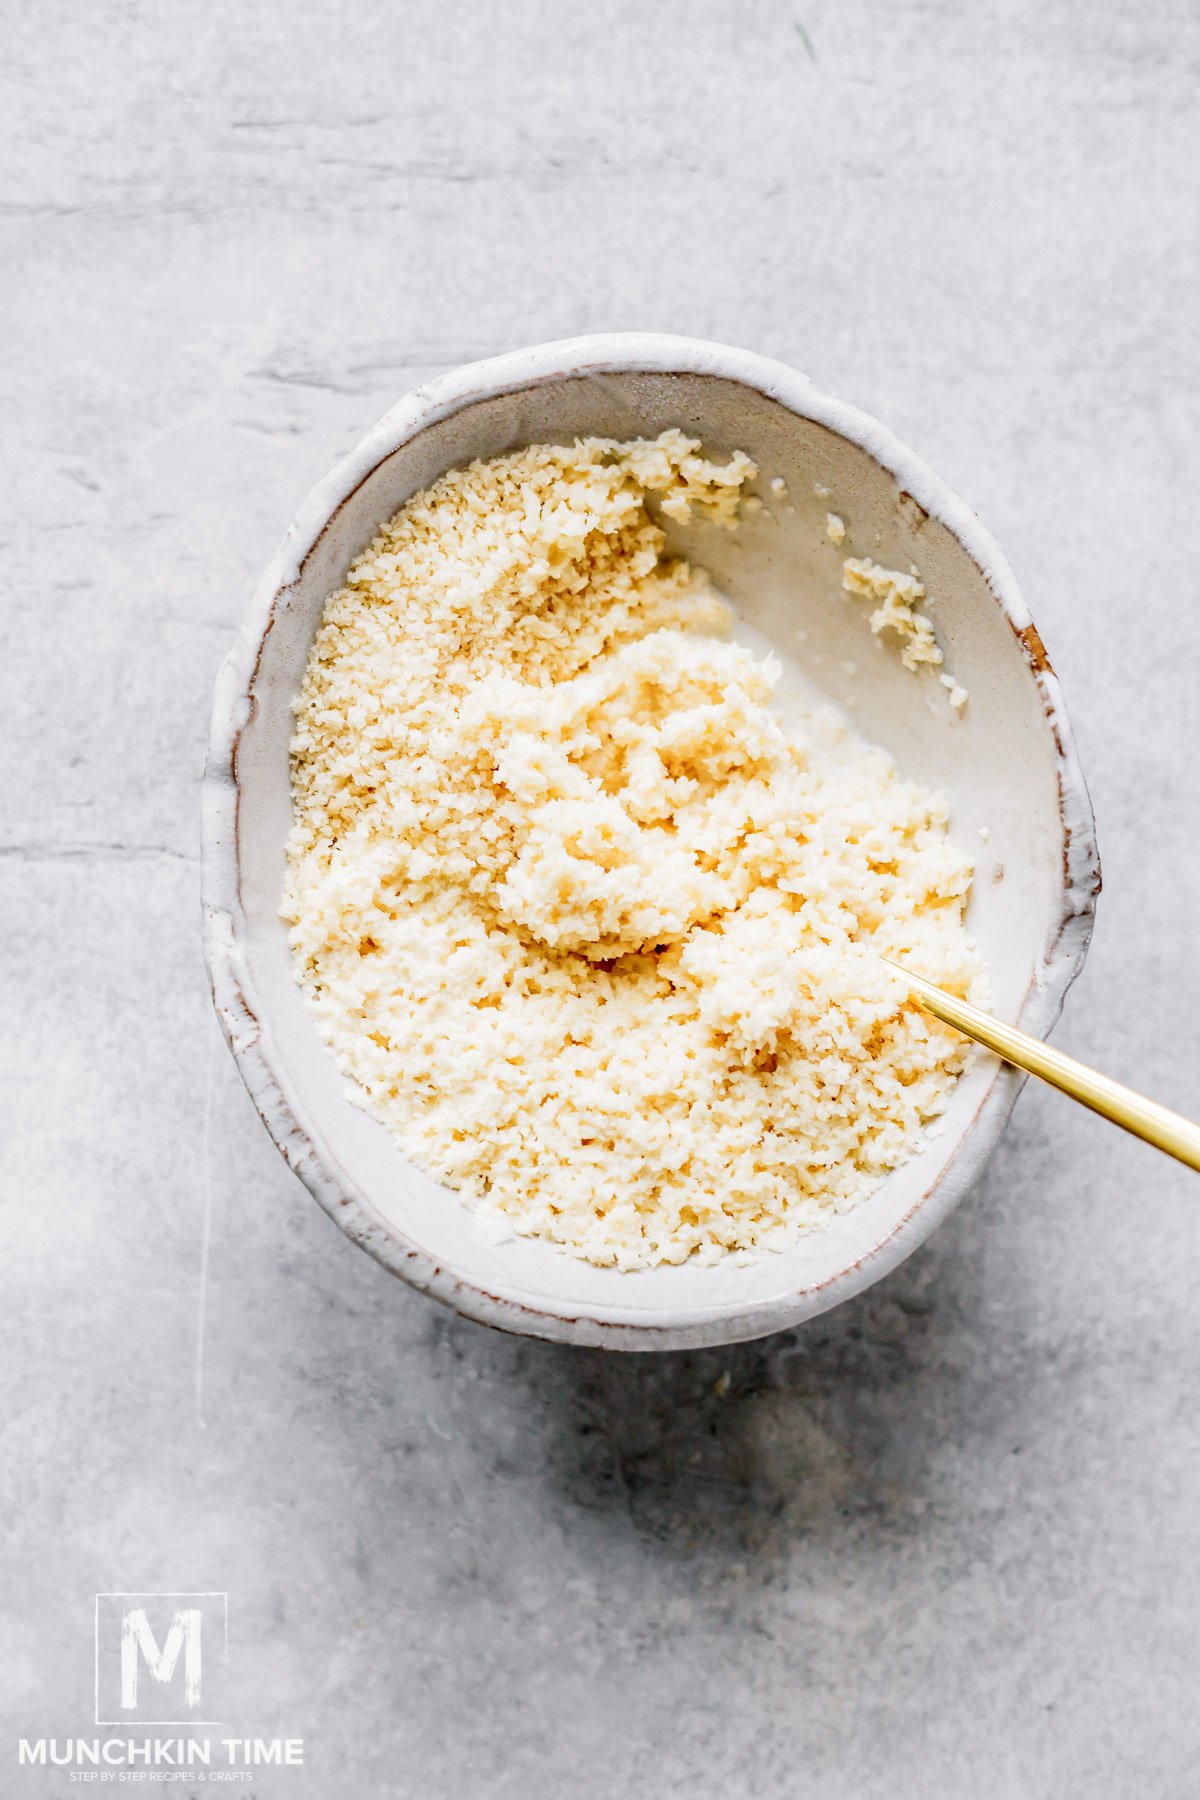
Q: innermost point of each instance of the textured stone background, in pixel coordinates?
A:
(941, 1542)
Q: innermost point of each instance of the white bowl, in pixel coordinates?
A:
(1008, 766)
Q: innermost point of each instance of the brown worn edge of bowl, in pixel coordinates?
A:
(248, 1033)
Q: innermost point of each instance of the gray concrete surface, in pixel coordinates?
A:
(942, 1542)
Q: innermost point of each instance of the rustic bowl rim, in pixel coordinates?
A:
(225, 926)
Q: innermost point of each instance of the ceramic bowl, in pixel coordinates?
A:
(1008, 767)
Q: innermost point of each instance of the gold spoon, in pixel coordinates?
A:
(1159, 1126)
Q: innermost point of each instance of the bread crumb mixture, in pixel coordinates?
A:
(593, 934)
(898, 596)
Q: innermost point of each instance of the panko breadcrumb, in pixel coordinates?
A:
(591, 932)
(897, 597)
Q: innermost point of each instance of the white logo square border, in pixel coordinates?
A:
(152, 1594)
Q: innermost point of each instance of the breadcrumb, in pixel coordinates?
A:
(592, 934)
(897, 596)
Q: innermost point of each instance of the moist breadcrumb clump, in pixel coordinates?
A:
(898, 596)
(591, 932)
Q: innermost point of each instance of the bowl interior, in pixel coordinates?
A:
(998, 765)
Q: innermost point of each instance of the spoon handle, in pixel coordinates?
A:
(1166, 1130)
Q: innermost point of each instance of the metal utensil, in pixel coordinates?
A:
(1166, 1130)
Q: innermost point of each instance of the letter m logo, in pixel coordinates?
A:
(138, 1645)
(160, 1658)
